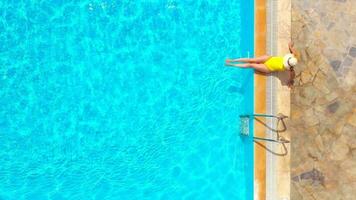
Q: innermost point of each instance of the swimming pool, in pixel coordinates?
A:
(124, 99)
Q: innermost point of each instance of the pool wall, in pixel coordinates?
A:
(248, 47)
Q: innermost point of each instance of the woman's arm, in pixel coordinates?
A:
(291, 77)
(291, 48)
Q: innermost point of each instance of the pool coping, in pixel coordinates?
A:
(259, 107)
(272, 34)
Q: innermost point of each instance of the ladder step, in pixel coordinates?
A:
(245, 126)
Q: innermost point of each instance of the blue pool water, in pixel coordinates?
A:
(124, 99)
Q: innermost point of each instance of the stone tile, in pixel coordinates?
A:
(320, 82)
(332, 96)
(310, 119)
(348, 190)
(340, 149)
(338, 125)
(349, 81)
(349, 166)
(324, 105)
(332, 108)
(352, 52)
(347, 62)
(319, 143)
(352, 119)
(335, 64)
(350, 134)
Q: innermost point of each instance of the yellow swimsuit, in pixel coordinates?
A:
(275, 64)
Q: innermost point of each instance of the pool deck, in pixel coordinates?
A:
(323, 109)
(272, 34)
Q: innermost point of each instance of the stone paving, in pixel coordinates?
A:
(323, 102)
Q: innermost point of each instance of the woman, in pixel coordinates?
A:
(268, 64)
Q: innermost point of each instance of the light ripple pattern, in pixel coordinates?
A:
(122, 99)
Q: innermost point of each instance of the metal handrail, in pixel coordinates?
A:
(278, 116)
(279, 139)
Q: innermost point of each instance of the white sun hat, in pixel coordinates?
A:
(289, 61)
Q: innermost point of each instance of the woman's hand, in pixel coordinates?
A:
(291, 44)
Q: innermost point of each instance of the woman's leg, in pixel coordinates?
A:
(259, 67)
(260, 59)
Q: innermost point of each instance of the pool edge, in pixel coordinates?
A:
(260, 105)
(272, 34)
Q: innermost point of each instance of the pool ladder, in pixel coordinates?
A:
(245, 126)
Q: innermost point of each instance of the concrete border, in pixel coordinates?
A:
(272, 34)
(260, 106)
(272, 49)
(282, 98)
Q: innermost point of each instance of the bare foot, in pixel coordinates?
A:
(227, 63)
